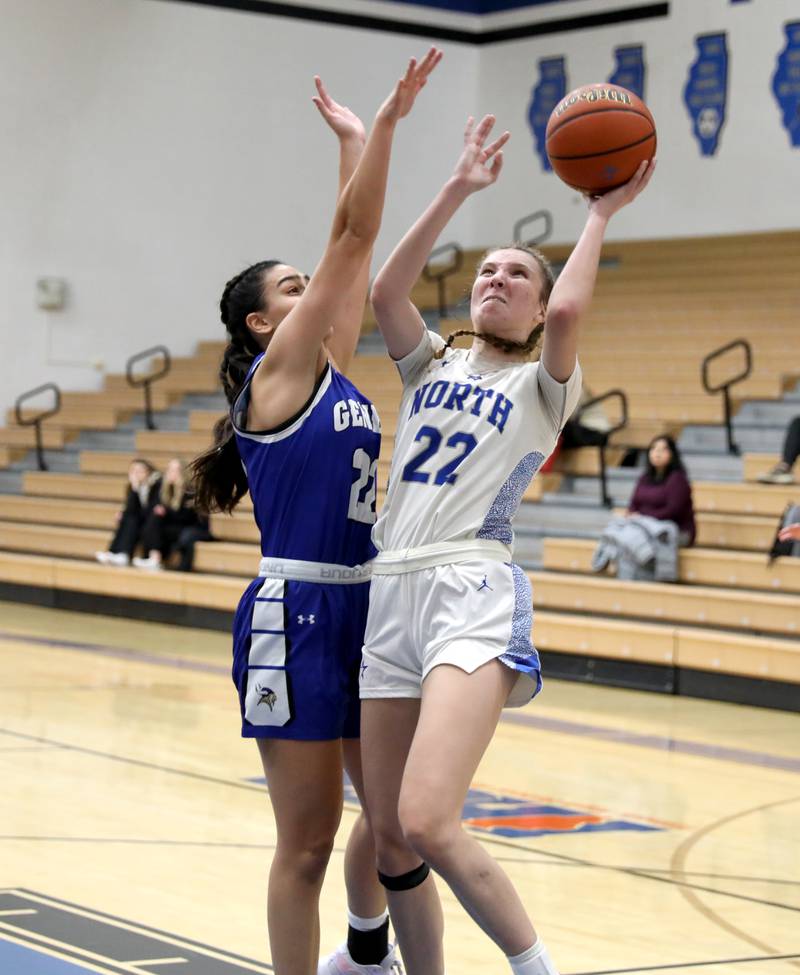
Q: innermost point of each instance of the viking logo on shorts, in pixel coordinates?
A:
(267, 696)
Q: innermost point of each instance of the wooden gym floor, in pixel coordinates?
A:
(645, 833)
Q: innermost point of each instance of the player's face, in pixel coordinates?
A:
(506, 295)
(283, 288)
(660, 455)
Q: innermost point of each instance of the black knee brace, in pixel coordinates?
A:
(406, 881)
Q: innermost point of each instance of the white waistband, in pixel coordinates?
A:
(439, 553)
(299, 571)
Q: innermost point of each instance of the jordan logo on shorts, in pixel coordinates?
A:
(484, 585)
(267, 696)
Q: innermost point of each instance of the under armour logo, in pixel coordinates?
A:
(311, 618)
(267, 696)
(484, 585)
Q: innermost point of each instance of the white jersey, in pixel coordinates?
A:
(471, 433)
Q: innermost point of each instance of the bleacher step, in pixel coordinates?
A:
(11, 481)
(749, 439)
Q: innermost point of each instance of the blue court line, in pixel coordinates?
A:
(21, 960)
(662, 743)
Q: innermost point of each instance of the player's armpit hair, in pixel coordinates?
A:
(220, 481)
(505, 345)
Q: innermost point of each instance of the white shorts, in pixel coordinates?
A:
(463, 614)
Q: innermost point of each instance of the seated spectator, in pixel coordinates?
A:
(781, 473)
(588, 426)
(660, 518)
(791, 533)
(663, 491)
(173, 523)
(143, 482)
(787, 537)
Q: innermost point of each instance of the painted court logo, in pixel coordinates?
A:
(517, 817)
(267, 696)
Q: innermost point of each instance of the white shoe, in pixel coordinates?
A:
(340, 963)
(780, 474)
(112, 558)
(154, 565)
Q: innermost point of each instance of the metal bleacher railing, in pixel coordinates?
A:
(623, 399)
(440, 272)
(148, 378)
(725, 385)
(35, 420)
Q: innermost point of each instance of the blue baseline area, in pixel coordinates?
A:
(479, 6)
(21, 960)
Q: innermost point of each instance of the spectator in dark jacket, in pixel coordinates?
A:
(173, 523)
(663, 491)
(781, 473)
(143, 483)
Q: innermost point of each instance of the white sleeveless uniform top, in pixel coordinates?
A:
(472, 432)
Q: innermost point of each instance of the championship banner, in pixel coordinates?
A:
(706, 91)
(546, 94)
(786, 82)
(629, 69)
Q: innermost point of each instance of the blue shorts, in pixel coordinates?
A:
(296, 657)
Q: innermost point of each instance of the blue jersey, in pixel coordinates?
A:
(313, 480)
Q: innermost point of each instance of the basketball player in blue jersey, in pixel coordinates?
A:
(304, 441)
(448, 641)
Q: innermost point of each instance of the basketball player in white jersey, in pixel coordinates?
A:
(448, 639)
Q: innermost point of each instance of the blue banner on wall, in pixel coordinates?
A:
(629, 69)
(786, 82)
(706, 91)
(547, 93)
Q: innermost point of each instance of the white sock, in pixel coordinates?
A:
(366, 923)
(534, 961)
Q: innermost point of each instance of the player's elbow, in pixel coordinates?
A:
(563, 314)
(383, 295)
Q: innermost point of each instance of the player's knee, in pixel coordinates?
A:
(429, 834)
(308, 859)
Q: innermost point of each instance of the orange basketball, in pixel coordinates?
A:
(597, 135)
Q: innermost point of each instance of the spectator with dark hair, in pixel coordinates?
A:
(781, 473)
(660, 519)
(173, 523)
(142, 496)
(663, 491)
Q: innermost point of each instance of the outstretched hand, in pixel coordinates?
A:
(402, 99)
(346, 124)
(479, 165)
(608, 204)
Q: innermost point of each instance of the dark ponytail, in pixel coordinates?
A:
(219, 478)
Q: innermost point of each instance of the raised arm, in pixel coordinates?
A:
(349, 130)
(295, 352)
(478, 167)
(572, 292)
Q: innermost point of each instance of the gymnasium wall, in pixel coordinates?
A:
(152, 148)
(751, 182)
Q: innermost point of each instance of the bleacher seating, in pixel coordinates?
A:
(660, 306)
